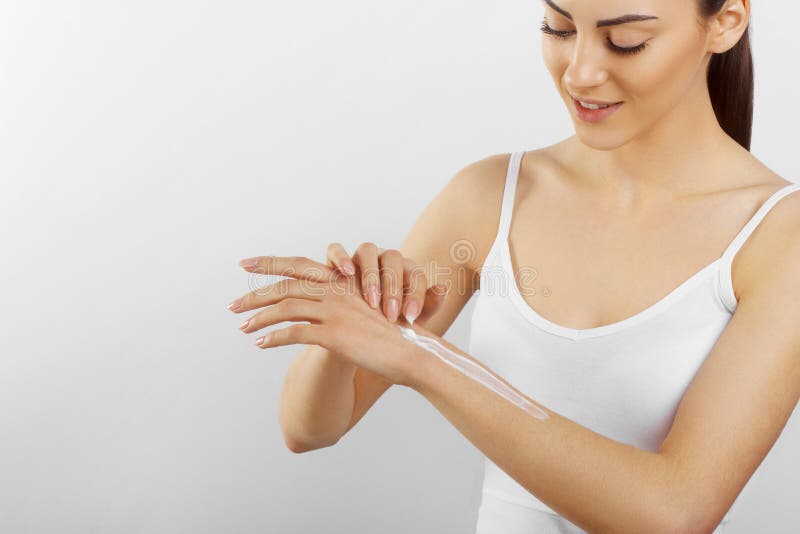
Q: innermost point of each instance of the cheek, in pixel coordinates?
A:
(663, 74)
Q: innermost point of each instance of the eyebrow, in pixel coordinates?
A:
(605, 22)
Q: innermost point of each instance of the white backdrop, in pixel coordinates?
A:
(146, 147)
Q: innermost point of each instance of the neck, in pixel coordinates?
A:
(679, 155)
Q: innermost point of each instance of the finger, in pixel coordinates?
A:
(339, 258)
(291, 266)
(366, 258)
(434, 298)
(391, 270)
(273, 293)
(415, 285)
(306, 334)
(290, 309)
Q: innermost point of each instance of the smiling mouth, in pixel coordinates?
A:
(594, 112)
(594, 104)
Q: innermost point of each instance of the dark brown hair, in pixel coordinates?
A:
(730, 82)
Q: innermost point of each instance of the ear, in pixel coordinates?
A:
(728, 26)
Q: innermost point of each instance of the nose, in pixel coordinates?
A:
(587, 68)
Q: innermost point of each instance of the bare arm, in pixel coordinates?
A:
(316, 399)
(323, 397)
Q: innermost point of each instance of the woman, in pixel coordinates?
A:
(657, 329)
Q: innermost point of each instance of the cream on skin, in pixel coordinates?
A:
(474, 371)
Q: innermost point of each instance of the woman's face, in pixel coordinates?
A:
(653, 66)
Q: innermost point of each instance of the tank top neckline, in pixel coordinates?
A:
(720, 268)
(583, 333)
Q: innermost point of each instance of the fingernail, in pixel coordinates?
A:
(393, 309)
(249, 262)
(235, 304)
(244, 324)
(349, 268)
(372, 296)
(412, 309)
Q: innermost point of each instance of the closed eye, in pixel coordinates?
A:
(564, 34)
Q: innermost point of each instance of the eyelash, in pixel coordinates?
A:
(614, 48)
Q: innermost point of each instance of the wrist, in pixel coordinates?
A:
(332, 362)
(420, 368)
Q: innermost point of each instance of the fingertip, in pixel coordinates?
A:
(412, 311)
(247, 263)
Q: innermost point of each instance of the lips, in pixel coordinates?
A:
(594, 115)
(592, 101)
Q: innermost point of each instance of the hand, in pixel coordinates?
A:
(381, 271)
(338, 317)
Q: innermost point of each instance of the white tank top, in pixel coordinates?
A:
(623, 380)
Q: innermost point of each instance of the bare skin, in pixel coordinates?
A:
(604, 258)
(613, 218)
(625, 210)
(653, 193)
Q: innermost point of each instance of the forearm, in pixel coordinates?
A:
(316, 398)
(597, 483)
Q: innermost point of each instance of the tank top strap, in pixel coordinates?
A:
(759, 215)
(507, 207)
(741, 237)
(492, 261)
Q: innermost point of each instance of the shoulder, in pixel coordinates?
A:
(467, 209)
(482, 182)
(479, 179)
(774, 245)
(475, 195)
(456, 226)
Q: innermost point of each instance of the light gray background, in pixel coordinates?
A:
(146, 147)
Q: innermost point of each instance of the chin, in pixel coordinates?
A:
(599, 138)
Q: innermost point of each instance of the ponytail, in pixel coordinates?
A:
(730, 83)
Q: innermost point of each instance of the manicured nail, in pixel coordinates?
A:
(349, 268)
(372, 296)
(412, 309)
(249, 262)
(244, 324)
(394, 306)
(263, 340)
(235, 304)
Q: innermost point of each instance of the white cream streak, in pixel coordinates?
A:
(473, 371)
